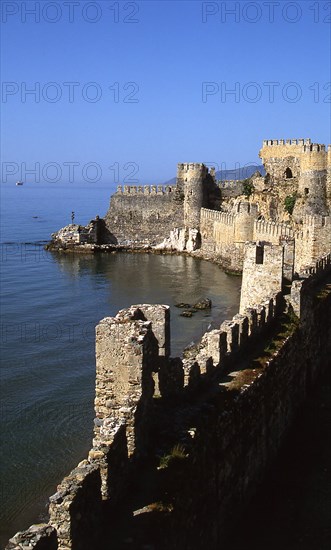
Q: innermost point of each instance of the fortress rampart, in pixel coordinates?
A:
(229, 405)
(224, 233)
(146, 213)
(301, 148)
(226, 406)
(145, 189)
(309, 163)
(150, 213)
(292, 201)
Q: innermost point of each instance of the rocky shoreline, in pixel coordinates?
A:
(135, 248)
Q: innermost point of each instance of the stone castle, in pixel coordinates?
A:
(180, 444)
(199, 214)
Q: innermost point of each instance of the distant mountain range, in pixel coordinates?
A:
(240, 173)
(235, 174)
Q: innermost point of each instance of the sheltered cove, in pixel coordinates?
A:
(200, 432)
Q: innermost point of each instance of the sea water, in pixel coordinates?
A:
(50, 305)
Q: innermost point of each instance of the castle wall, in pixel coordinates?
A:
(75, 509)
(126, 354)
(247, 413)
(312, 240)
(224, 234)
(328, 179)
(262, 274)
(236, 442)
(190, 178)
(148, 214)
(238, 430)
(308, 163)
(298, 154)
(251, 414)
(311, 199)
(144, 213)
(265, 230)
(231, 188)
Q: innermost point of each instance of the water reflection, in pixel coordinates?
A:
(137, 278)
(48, 358)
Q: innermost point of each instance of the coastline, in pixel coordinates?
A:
(139, 249)
(245, 387)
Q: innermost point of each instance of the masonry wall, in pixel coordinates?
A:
(244, 412)
(312, 240)
(262, 274)
(224, 234)
(237, 440)
(144, 213)
(299, 155)
(305, 163)
(265, 230)
(231, 188)
(126, 354)
(75, 509)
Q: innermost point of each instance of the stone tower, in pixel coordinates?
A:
(302, 162)
(262, 273)
(190, 183)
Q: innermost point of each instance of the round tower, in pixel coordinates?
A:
(190, 180)
(328, 178)
(312, 184)
(245, 214)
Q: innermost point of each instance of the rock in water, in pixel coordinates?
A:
(186, 313)
(205, 303)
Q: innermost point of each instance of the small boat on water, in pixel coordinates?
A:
(19, 183)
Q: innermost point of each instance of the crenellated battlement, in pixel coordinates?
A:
(192, 166)
(229, 218)
(217, 216)
(317, 269)
(316, 221)
(136, 375)
(302, 164)
(264, 229)
(133, 366)
(287, 142)
(282, 147)
(145, 189)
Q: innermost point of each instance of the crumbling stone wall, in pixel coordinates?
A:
(245, 425)
(312, 240)
(242, 431)
(75, 509)
(126, 355)
(149, 213)
(262, 274)
(245, 415)
(307, 163)
(231, 188)
(38, 537)
(224, 233)
(300, 155)
(72, 235)
(144, 214)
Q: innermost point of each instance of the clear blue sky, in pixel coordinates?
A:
(168, 50)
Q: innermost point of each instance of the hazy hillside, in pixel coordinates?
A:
(240, 173)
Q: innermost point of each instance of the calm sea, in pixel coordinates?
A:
(50, 305)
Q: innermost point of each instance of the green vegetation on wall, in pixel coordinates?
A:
(248, 187)
(290, 202)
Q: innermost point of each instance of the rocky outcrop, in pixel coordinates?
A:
(73, 235)
(38, 537)
(181, 240)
